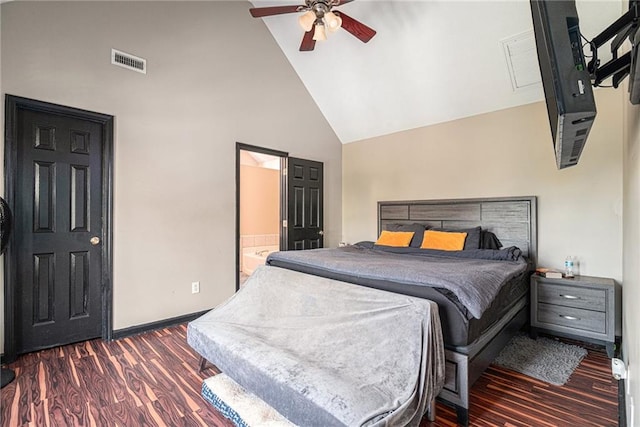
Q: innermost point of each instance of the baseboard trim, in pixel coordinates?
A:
(622, 403)
(160, 324)
(622, 393)
(147, 327)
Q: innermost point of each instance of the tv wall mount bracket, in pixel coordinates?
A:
(618, 67)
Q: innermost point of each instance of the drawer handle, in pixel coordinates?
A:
(569, 296)
(569, 317)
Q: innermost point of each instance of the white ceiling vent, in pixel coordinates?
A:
(522, 60)
(128, 61)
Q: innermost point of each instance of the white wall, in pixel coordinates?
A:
(215, 77)
(504, 153)
(1, 192)
(631, 261)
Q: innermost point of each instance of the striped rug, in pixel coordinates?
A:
(242, 408)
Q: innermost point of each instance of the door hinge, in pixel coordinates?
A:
(284, 223)
(284, 171)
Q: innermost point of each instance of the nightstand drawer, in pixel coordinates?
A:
(575, 318)
(573, 296)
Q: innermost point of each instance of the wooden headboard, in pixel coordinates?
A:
(512, 219)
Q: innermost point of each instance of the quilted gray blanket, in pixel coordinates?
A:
(475, 280)
(326, 353)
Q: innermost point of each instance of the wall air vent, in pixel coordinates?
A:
(128, 61)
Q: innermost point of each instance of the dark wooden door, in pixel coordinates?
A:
(304, 204)
(58, 230)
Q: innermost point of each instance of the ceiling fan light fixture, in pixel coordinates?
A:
(316, 17)
(334, 22)
(306, 20)
(319, 33)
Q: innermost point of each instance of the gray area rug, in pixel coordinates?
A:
(545, 359)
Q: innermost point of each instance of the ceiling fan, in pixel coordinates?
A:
(317, 18)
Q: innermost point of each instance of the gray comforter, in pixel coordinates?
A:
(474, 277)
(326, 353)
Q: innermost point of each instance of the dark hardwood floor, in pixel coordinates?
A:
(152, 380)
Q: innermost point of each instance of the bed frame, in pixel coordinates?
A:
(514, 222)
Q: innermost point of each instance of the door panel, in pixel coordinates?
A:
(305, 204)
(43, 292)
(58, 209)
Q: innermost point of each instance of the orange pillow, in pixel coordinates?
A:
(443, 240)
(399, 239)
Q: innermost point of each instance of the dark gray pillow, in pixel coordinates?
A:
(488, 240)
(473, 236)
(418, 230)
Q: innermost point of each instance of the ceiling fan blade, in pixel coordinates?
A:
(259, 12)
(341, 2)
(308, 43)
(357, 28)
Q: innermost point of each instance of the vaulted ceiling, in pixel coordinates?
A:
(431, 61)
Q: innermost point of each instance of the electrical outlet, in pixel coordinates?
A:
(195, 287)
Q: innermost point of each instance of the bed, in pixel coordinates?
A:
(473, 335)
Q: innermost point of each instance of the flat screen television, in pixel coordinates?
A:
(565, 79)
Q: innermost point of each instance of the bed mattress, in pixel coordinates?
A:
(459, 328)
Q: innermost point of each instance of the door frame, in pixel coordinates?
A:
(283, 196)
(12, 105)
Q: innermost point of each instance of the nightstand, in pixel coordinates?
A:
(585, 308)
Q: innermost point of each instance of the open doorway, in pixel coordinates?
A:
(279, 206)
(260, 206)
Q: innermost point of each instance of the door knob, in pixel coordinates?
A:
(94, 240)
(321, 233)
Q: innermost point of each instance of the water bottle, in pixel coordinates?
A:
(568, 267)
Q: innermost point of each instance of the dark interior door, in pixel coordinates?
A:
(58, 230)
(304, 204)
